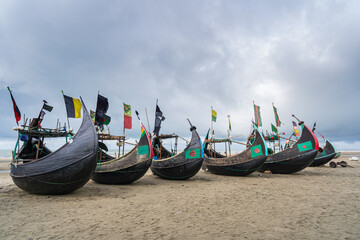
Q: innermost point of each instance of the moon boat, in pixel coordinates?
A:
(128, 168)
(295, 158)
(327, 154)
(241, 164)
(183, 165)
(63, 170)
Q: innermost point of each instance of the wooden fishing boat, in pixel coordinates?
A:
(183, 165)
(295, 158)
(63, 170)
(241, 164)
(127, 168)
(324, 156)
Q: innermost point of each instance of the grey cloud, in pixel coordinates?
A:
(304, 56)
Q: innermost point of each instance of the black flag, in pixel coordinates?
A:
(158, 118)
(47, 107)
(101, 108)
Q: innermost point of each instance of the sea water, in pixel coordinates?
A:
(5, 153)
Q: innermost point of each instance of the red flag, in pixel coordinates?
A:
(127, 116)
(16, 109)
(258, 121)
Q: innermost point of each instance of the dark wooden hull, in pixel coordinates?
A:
(64, 170)
(180, 172)
(297, 157)
(325, 156)
(128, 168)
(122, 176)
(241, 164)
(295, 164)
(241, 169)
(61, 181)
(183, 165)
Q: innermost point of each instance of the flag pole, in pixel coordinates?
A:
(66, 111)
(123, 151)
(147, 118)
(212, 129)
(276, 126)
(229, 135)
(41, 110)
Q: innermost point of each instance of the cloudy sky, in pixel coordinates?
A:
(303, 56)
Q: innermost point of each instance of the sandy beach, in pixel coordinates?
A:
(316, 203)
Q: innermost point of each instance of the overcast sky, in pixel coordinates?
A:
(303, 56)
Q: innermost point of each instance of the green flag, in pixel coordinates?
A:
(258, 121)
(277, 120)
(274, 129)
(107, 119)
(213, 115)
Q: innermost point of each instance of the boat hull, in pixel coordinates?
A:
(61, 181)
(292, 165)
(241, 164)
(321, 161)
(64, 170)
(241, 169)
(123, 176)
(325, 156)
(180, 172)
(183, 165)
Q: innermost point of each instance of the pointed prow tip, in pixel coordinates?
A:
(137, 114)
(191, 126)
(300, 122)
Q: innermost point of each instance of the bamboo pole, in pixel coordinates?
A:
(37, 150)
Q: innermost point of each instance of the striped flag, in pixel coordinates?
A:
(92, 116)
(229, 122)
(296, 131)
(213, 115)
(258, 121)
(127, 116)
(277, 120)
(144, 149)
(73, 107)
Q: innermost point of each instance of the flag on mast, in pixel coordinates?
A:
(258, 121)
(16, 109)
(229, 122)
(92, 116)
(213, 115)
(277, 120)
(296, 131)
(274, 129)
(73, 107)
(127, 116)
(47, 107)
(102, 106)
(158, 119)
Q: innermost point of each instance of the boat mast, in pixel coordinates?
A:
(229, 129)
(211, 130)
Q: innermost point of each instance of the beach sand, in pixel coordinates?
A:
(316, 203)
